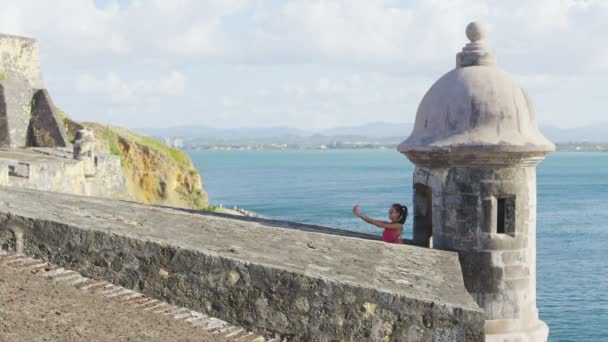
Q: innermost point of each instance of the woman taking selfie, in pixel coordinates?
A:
(397, 214)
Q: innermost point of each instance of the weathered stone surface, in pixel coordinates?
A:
(84, 150)
(466, 222)
(56, 170)
(303, 285)
(15, 116)
(45, 129)
(27, 114)
(20, 56)
(84, 144)
(3, 173)
(19, 75)
(476, 106)
(4, 135)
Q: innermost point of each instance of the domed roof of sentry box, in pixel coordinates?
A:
(476, 106)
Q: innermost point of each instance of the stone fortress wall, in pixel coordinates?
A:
(475, 149)
(56, 170)
(34, 149)
(20, 79)
(263, 275)
(20, 56)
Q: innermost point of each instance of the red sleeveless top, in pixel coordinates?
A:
(391, 236)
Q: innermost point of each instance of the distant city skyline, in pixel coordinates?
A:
(300, 63)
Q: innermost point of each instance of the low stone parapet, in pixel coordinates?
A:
(53, 169)
(300, 284)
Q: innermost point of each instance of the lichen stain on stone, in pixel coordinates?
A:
(301, 304)
(388, 331)
(233, 278)
(368, 309)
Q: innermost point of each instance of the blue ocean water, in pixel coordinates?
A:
(321, 186)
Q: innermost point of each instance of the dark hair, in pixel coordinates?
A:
(402, 210)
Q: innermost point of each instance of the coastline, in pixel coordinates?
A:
(238, 212)
(560, 147)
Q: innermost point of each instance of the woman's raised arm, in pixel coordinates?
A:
(377, 223)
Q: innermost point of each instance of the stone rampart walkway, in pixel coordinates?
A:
(43, 302)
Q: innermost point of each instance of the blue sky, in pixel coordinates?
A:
(303, 63)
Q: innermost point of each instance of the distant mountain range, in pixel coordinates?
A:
(590, 133)
(376, 131)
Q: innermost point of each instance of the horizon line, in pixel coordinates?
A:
(332, 127)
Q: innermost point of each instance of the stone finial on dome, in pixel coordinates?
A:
(476, 52)
(476, 31)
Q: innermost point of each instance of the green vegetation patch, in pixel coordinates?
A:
(112, 138)
(179, 157)
(65, 120)
(111, 134)
(195, 199)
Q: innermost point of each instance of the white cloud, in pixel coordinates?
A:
(72, 25)
(383, 33)
(359, 31)
(118, 90)
(301, 62)
(77, 28)
(378, 32)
